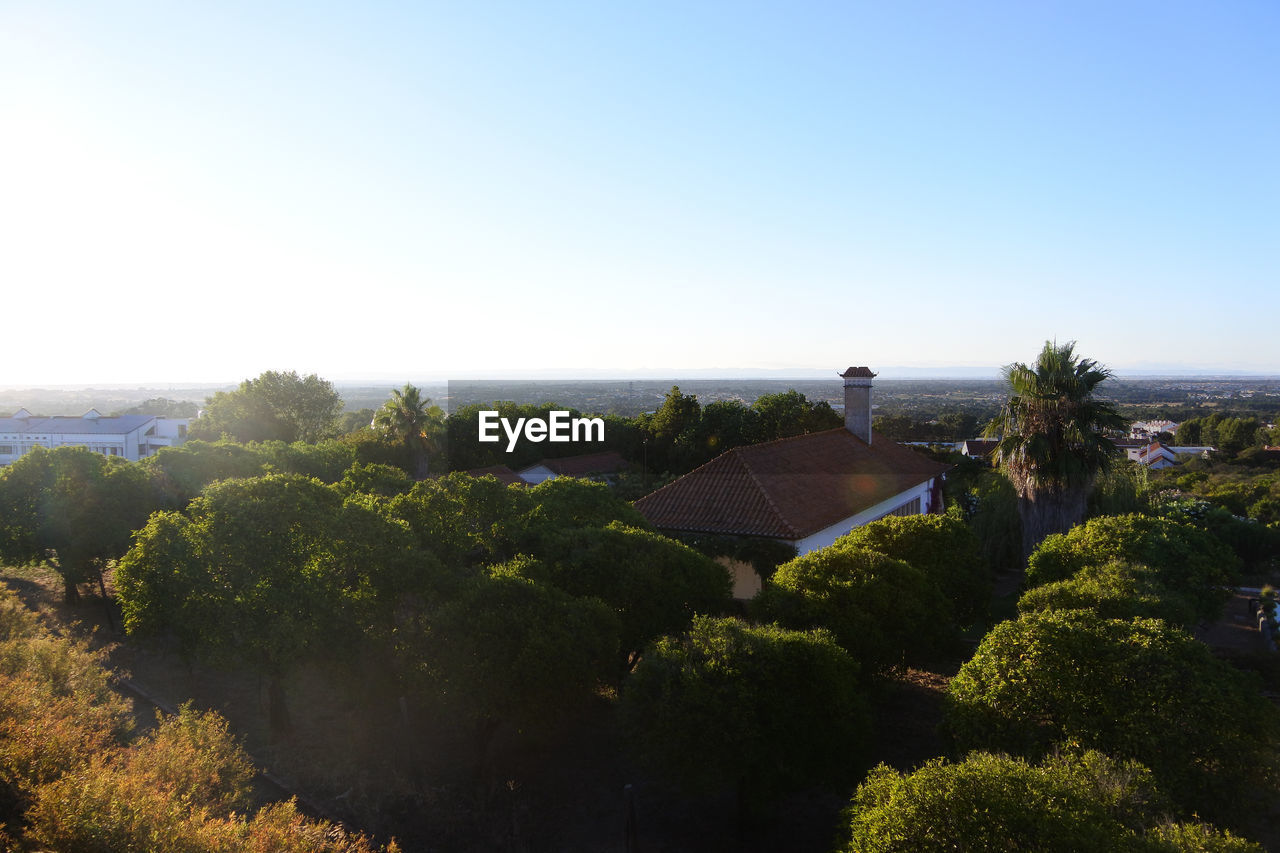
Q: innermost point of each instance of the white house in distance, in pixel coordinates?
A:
(132, 437)
(806, 491)
(1157, 456)
(604, 466)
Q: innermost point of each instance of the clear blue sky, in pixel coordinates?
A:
(199, 192)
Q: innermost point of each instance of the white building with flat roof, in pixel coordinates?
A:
(132, 437)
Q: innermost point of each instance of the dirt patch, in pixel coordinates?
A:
(1236, 632)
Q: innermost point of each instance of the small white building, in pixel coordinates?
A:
(131, 437)
(1157, 456)
(604, 466)
(1150, 429)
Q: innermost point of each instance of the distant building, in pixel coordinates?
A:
(1157, 456)
(979, 448)
(131, 437)
(805, 491)
(604, 466)
(1150, 429)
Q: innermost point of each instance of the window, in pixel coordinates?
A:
(6, 449)
(911, 507)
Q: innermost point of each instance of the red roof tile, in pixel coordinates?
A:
(861, 372)
(790, 488)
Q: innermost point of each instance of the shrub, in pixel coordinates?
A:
(882, 611)
(1134, 689)
(943, 548)
(1116, 590)
(761, 708)
(1186, 560)
(991, 802)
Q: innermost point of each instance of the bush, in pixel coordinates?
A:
(1188, 561)
(1134, 689)
(882, 611)
(990, 802)
(763, 709)
(1116, 590)
(943, 548)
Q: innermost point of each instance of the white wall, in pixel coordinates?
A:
(828, 535)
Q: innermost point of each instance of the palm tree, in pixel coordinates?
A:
(410, 419)
(1052, 445)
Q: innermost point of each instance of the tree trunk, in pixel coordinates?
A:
(70, 591)
(1048, 512)
(277, 708)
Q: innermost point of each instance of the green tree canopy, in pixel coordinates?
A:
(411, 420)
(654, 584)
(275, 406)
(1136, 689)
(882, 611)
(760, 709)
(508, 649)
(943, 548)
(1052, 442)
(992, 802)
(78, 507)
(263, 572)
(1189, 562)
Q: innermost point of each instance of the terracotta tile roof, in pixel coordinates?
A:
(790, 488)
(503, 474)
(605, 462)
(861, 372)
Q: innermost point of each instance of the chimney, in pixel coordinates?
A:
(857, 402)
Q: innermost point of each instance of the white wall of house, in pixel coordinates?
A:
(535, 474)
(828, 535)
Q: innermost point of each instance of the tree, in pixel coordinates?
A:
(993, 802)
(275, 406)
(1116, 590)
(882, 611)
(1134, 689)
(761, 710)
(943, 548)
(1188, 562)
(263, 572)
(412, 420)
(509, 649)
(76, 506)
(1052, 445)
(655, 585)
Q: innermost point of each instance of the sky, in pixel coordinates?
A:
(199, 192)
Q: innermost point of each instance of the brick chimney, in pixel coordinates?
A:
(857, 401)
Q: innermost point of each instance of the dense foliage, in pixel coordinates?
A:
(275, 406)
(944, 549)
(993, 802)
(1133, 688)
(883, 611)
(1189, 562)
(761, 710)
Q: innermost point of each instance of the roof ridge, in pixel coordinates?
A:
(768, 498)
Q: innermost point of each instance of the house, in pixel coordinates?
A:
(132, 437)
(805, 491)
(593, 466)
(979, 448)
(1157, 456)
(1150, 429)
